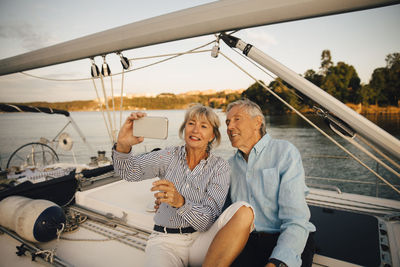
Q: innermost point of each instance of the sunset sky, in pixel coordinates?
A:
(362, 39)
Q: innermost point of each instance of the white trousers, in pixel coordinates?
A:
(173, 250)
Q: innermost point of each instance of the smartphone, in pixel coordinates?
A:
(151, 127)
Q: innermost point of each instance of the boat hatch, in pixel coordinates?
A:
(347, 236)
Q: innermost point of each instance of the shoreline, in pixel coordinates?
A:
(91, 105)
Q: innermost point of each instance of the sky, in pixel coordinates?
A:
(362, 39)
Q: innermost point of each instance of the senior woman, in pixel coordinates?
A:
(193, 186)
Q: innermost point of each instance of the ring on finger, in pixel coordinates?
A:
(166, 195)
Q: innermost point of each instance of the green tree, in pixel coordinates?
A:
(326, 61)
(268, 103)
(258, 94)
(386, 81)
(314, 77)
(342, 82)
(393, 78)
(377, 85)
(369, 95)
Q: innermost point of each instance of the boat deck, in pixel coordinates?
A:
(120, 218)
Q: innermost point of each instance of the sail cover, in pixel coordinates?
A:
(22, 108)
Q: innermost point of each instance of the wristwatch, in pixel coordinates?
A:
(277, 262)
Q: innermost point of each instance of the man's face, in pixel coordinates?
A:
(243, 130)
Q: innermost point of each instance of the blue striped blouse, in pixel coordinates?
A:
(204, 188)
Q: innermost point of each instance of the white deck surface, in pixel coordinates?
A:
(133, 198)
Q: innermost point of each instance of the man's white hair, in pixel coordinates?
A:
(252, 109)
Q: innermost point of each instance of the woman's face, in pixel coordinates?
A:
(198, 132)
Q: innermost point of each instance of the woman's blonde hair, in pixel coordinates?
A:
(197, 111)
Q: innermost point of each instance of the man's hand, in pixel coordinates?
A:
(125, 137)
(167, 194)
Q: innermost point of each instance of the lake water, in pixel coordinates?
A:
(321, 158)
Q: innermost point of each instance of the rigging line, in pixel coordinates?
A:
(161, 61)
(107, 108)
(378, 151)
(192, 51)
(122, 98)
(268, 73)
(102, 110)
(360, 147)
(113, 109)
(176, 55)
(55, 80)
(171, 54)
(313, 125)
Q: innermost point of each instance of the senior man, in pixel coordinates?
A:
(267, 173)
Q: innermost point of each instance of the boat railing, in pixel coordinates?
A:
(325, 186)
(329, 180)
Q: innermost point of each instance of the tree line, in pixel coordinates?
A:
(340, 80)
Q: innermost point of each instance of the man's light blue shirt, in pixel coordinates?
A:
(272, 181)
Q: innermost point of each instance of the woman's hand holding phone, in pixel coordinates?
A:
(125, 137)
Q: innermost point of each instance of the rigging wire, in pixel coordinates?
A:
(274, 77)
(122, 98)
(353, 142)
(363, 149)
(55, 80)
(107, 109)
(174, 55)
(378, 151)
(102, 110)
(312, 124)
(113, 105)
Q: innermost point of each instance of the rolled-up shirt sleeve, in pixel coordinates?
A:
(139, 167)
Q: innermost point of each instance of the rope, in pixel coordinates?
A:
(312, 124)
(175, 55)
(113, 104)
(55, 80)
(171, 54)
(164, 60)
(122, 98)
(268, 73)
(378, 151)
(50, 253)
(353, 142)
(102, 110)
(107, 108)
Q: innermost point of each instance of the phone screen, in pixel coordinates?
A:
(151, 127)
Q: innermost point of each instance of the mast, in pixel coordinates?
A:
(360, 124)
(206, 19)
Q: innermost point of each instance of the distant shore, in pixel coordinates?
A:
(169, 102)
